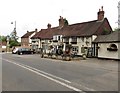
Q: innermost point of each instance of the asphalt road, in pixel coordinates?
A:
(32, 73)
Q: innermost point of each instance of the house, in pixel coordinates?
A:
(76, 35)
(3, 46)
(25, 39)
(108, 45)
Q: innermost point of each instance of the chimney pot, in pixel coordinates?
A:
(36, 29)
(101, 8)
(49, 25)
(61, 22)
(101, 14)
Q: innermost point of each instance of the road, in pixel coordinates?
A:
(32, 73)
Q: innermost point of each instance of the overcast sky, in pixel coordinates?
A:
(31, 14)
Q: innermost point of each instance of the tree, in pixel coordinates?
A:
(105, 31)
(117, 29)
(14, 43)
(66, 22)
(3, 38)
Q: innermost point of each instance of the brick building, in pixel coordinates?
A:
(25, 39)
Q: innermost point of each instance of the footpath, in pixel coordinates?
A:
(112, 65)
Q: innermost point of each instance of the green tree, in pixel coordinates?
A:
(117, 29)
(14, 43)
(3, 38)
(66, 22)
(105, 31)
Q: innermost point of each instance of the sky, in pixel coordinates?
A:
(32, 14)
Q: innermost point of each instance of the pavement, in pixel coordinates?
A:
(107, 64)
(101, 63)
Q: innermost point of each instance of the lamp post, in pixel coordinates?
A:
(14, 31)
(15, 24)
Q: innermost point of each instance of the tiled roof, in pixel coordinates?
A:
(79, 29)
(27, 34)
(113, 37)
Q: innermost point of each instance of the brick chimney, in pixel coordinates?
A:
(61, 22)
(36, 30)
(49, 26)
(101, 14)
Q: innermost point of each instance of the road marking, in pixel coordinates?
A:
(48, 77)
(47, 74)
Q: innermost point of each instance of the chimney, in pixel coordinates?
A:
(61, 22)
(101, 14)
(36, 30)
(49, 25)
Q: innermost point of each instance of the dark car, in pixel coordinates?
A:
(25, 51)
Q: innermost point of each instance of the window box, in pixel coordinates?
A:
(66, 42)
(73, 42)
(55, 40)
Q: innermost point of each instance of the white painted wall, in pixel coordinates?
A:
(104, 53)
(3, 46)
(82, 41)
(30, 41)
(46, 44)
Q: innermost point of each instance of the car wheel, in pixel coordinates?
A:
(21, 53)
(31, 52)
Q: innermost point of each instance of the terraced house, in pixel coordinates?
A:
(25, 39)
(76, 35)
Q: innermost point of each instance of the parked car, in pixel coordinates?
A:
(25, 51)
(15, 50)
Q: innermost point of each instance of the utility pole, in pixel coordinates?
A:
(14, 32)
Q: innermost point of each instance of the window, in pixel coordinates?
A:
(75, 49)
(112, 47)
(33, 41)
(87, 38)
(46, 41)
(59, 38)
(82, 38)
(74, 40)
(54, 37)
(66, 40)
